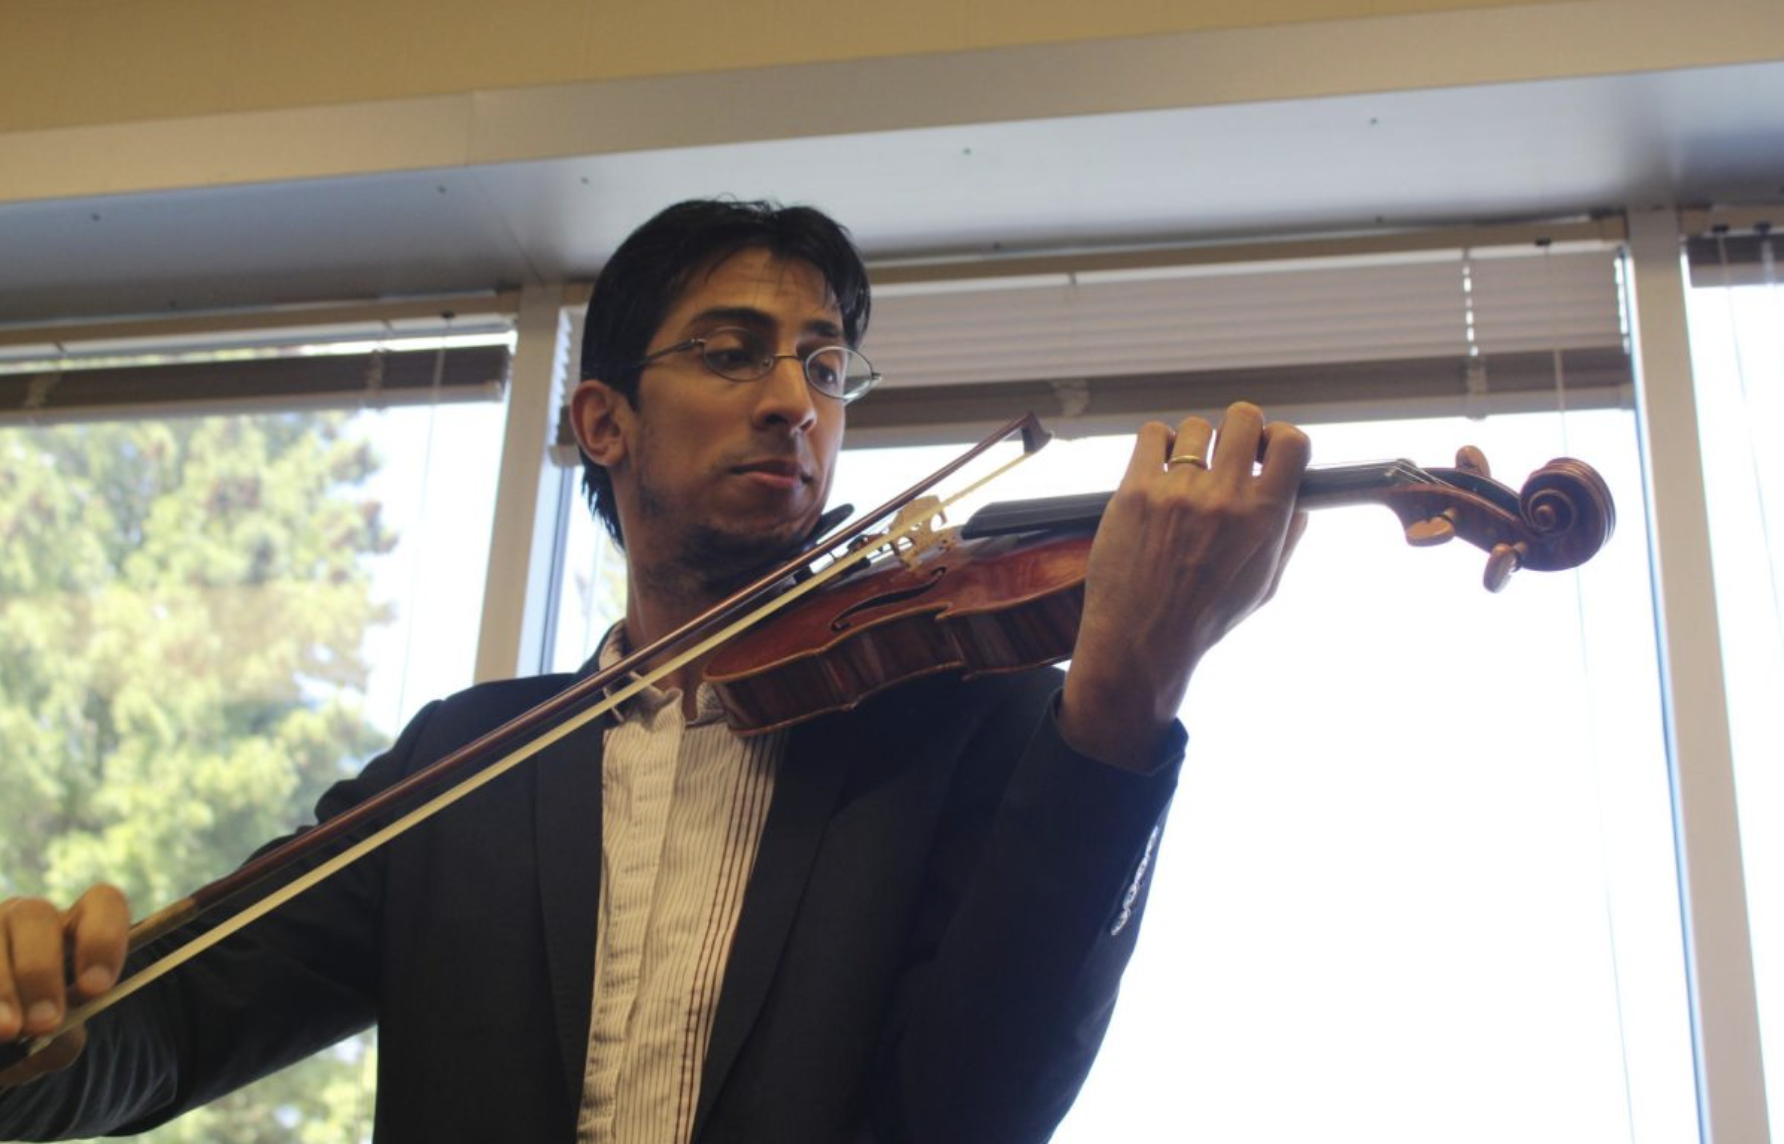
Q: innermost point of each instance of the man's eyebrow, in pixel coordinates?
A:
(753, 318)
(734, 315)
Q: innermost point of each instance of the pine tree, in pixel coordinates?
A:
(182, 604)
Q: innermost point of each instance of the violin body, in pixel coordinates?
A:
(973, 607)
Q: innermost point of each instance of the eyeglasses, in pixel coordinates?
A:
(744, 355)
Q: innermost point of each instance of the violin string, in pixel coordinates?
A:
(1413, 474)
(908, 521)
(1406, 472)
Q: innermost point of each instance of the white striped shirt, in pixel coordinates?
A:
(683, 804)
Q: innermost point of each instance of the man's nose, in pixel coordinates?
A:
(785, 397)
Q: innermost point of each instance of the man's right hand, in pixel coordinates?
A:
(51, 959)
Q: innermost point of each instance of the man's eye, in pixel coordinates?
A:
(734, 352)
(826, 368)
(732, 357)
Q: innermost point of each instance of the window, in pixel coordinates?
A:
(1737, 340)
(1419, 880)
(1421, 848)
(206, 620)
(591, 588)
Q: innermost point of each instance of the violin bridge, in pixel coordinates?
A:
(915, 531)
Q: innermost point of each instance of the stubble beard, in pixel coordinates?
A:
(707, 560)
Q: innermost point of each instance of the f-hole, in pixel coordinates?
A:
(842, 621)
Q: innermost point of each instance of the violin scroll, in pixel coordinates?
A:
(1567, 502)
(1560, 518)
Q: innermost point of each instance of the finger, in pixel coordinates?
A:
(98, 931)
(12, 1023)
(1284, 452)
(1236, 445)
(1194, 439)
(34, 945)
(1151, 446)
(1297, 525)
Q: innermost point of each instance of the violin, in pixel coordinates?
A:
(1004, 592)
(860, 611)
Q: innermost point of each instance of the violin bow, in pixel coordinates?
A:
(467, 769)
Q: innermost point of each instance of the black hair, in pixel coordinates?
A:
(649, 272)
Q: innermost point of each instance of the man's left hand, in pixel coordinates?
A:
(1185, 551)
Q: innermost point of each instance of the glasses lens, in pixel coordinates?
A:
(826, 369)
(839, 372)
(737, 354)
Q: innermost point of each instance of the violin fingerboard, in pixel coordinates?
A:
(1080, 512)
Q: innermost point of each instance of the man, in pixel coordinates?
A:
(901, 923)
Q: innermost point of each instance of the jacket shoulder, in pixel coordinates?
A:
(485, 706)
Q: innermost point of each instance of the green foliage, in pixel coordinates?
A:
(181, 609)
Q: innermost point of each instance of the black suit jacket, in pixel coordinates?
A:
(929, 947)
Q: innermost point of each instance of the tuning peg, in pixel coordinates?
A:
(1432, 530)
(1471, 460)
(1501, 563)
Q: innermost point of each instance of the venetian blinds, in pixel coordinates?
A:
(1093, 344)
(1734, 247)
(368, 356)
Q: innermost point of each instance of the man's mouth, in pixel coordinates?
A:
(781, 475)
(791, 471)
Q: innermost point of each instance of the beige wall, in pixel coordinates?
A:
(66, 63)
(105, 97)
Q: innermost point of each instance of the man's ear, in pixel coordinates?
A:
(601, 417)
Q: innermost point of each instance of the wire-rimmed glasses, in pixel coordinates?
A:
(744, 355)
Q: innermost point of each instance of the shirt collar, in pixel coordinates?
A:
(649, 701)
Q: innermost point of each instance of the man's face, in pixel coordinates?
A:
(726, 476)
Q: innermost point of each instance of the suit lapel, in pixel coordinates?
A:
(805, 790)
(568, 814)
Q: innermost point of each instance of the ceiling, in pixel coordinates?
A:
(1356, 162)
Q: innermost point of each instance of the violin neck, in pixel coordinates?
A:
(1328, 486)
(1322, 486)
